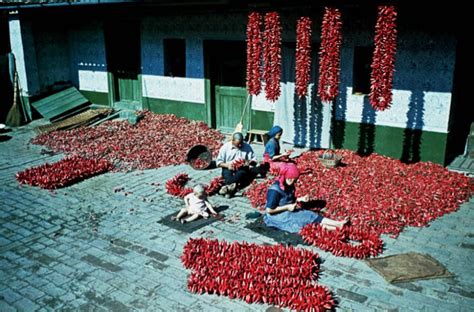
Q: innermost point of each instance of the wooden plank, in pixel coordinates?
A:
(59, 103)
(54, 97)
(66, 105)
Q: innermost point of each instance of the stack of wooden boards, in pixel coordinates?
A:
(68, 109)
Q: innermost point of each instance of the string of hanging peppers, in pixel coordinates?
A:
(272, 56)
(383, 62)
(254, 53)
(330, 54)
(303, 56)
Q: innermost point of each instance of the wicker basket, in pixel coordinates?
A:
(329, 159)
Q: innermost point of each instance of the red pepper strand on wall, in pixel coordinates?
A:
(383, 62)
(272, 56)
(254, 53)
(330, 54)
(303, 56)
(277, 275)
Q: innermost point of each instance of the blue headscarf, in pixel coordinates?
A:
(274, 131)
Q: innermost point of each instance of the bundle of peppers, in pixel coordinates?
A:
(330, 54)
(383, 62)
(176, 185)
(276, 275)
(64, 172)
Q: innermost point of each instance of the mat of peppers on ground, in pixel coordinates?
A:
(155, 141)
(379, 194)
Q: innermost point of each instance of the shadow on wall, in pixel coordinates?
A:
(412, 133)
(308, 111)
(315, 118)
(366, 141)
(338, 130)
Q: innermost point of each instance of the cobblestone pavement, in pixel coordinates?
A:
(88, 248)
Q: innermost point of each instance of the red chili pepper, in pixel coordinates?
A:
(272, 56)
(254, 53)
(383, 61)
(380, 194)
(152, 143)
(64, 172)
(330, 54)
(303, 56)
(277, 275)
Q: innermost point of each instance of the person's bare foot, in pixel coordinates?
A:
(232, 188)
(183, 221)
(223, 190)
(173, 218)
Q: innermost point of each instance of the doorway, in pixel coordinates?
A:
(123, 61)
(225, 68)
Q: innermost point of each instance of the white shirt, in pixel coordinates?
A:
(229, 152)
(196, 205)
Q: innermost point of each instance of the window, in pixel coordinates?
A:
(175, 57)
(361, 72)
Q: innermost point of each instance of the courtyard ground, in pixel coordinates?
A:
(97, 246)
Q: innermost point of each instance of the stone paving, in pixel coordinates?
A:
(89, 248)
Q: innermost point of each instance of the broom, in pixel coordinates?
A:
(240, 125)
(14, 114)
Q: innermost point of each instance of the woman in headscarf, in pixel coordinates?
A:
(272, 148)
(281, 209)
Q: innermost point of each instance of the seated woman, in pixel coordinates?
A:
(272, 148)
(281, 210)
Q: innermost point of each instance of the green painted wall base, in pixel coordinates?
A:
(193, 111)
(405, 144)
(96, 97)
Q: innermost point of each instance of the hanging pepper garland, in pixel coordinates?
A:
(175, 185)
(338, 242)
(383, 62)
(254, 53)
(303, 56)
(276, 275)
(330, 54)
(272, 56)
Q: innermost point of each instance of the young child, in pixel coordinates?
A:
(196, 205)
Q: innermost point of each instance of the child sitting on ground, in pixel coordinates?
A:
(196, 205)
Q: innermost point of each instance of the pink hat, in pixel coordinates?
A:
(288, 171)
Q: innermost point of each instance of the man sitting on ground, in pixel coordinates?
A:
(230, 154)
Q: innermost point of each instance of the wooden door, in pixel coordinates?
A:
(123, 61)
(230, 103)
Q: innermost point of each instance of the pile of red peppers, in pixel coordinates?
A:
(330, 54)
(63, 173)
(303, 56)
(155, 141)
(380, 195)
(272, 56)
(278, 275)
(338, 242)
(383, 62)
(199, 163)
(254, 53)
(176, 185)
